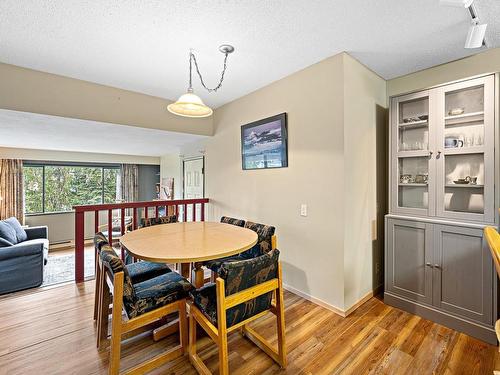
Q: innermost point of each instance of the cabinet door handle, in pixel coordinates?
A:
(428, 264)
(430, 154)
(437, 266)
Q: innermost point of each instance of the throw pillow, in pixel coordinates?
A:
(7, 232)
(16, 225)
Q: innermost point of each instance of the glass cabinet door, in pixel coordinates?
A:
(465, 150)
(412, 141)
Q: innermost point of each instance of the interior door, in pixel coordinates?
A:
(465, 150)
(409, 260)
(412, 145)
(194, 183)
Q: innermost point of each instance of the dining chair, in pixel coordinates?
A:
(266, 242)
(232, 221)
(150, 221)
(493, 239)
(138, 305)
(242, 293)
(138, 272)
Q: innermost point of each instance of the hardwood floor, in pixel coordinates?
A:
(51, 331)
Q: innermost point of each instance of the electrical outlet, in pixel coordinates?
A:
(303, 209)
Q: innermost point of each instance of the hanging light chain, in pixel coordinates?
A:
(192, 57)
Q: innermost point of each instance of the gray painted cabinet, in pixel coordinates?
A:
(443, 192)
(462, 273)
(408, 256)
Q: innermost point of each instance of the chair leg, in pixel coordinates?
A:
(116, 323)
(99, 306)
(183, 331)
(192, 336)
(280, 317)
(223, 355)
(96, 289)
(103, 312)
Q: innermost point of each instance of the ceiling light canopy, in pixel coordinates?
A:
(190, 104)
(456, 3)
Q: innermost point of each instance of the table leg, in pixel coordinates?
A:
(185, 269)
(198, 276)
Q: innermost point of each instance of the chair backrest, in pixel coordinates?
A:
(265, 235)
(232, 221)
(99, 241)
(157, 220)
(244, 274)
(493, 239)
(114, 265)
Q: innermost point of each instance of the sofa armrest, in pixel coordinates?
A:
(21, 250)
(37, 232)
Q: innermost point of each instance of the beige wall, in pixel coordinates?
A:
(170, 166)
(364, 179)
(482, 63)
(29, 90)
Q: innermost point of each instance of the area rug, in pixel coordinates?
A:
(61, 268)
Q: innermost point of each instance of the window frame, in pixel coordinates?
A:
(43, 164)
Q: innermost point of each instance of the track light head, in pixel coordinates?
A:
(475, 36)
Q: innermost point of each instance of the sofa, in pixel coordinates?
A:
(23, 255)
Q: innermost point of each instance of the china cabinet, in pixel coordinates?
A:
(443, 169)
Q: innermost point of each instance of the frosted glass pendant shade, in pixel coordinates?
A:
(190, 105)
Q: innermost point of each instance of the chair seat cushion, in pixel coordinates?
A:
(205, 300)
(157, 292)
(142, 271)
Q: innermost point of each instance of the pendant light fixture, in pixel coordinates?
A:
(190, 104)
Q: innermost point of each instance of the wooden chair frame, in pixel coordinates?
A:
(220, 334)
(125, 328)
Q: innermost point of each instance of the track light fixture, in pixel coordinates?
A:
(477, 31)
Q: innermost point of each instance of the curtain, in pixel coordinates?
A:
(11, 189)
(130, 182)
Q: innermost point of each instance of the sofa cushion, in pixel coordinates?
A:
(7, 232)
(16, 225)
(4, 242)
(45, 243)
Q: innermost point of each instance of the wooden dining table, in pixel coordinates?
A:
(188, 243)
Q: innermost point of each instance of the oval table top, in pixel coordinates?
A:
(188, 242)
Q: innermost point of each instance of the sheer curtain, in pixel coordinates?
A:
(11, 189)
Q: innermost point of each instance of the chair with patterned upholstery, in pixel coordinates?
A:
(266, 241)
(136, 305)
(139, 272)
(150, 221)
(232, 221)
(242, 293)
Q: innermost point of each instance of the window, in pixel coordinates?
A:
(57, 188)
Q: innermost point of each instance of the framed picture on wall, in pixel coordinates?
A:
(264, 143)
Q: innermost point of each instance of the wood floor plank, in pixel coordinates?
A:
(51, 331)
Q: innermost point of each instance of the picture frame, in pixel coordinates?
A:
(264, 143)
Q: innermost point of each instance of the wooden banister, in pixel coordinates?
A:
(122, 207)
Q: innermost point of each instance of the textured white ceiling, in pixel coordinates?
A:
(143, 45)
(35, 131)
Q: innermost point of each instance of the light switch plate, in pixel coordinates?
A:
(303, 209)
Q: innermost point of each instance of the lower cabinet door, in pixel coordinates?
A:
(463, 273)
(409, 263)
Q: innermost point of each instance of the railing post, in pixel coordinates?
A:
(194, 211)
(134, 219)
(110, 227)
(96, 221)
(203, 212)
(79, 246)
(122, 221)
(185, 213)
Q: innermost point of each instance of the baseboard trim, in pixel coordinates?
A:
(326, 305)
